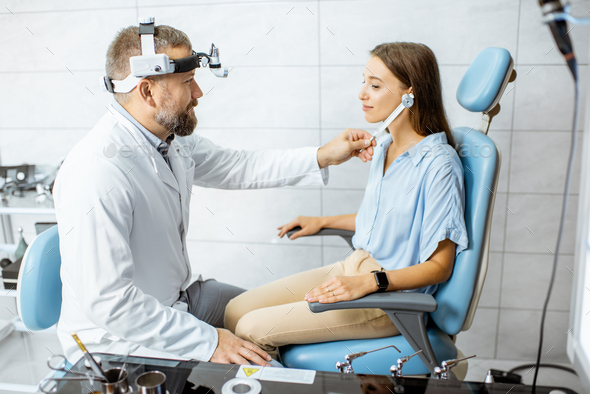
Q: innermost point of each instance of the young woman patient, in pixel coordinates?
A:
(410, 224)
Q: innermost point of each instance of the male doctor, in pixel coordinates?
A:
(122, 199)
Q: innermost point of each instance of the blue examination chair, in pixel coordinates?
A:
(452, 308)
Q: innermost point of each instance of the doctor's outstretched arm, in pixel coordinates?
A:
(226, 168)
(345, 146)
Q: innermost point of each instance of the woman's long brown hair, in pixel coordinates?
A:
(415, 65)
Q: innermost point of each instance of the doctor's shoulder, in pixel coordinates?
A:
(101, 153)
(82, 183)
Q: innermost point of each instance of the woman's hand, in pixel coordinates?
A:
(309, 225)
(343, 288)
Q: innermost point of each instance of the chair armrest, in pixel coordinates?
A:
(390, 300)
(346, 234)
(405, 309)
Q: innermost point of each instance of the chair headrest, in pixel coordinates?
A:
(484, 82)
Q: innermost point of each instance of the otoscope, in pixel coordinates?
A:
(407, 102)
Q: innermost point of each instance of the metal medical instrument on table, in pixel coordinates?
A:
(442, 371)
(396, 370)
(93, 364)
(198, 377)
(346, 367)
(58, 363)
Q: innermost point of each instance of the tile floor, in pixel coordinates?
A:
(23, 357)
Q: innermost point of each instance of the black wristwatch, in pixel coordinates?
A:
(382, 281)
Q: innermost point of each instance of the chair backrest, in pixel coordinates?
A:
(39, 283)
(461, 292)
(479, 91)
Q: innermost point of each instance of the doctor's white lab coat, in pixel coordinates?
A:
(123, 218)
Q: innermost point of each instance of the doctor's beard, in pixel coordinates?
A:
(180, 122)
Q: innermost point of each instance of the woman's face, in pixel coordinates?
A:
(381, 92)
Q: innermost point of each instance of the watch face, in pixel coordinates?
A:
(382, 281)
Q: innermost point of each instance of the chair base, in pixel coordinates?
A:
(323, 356)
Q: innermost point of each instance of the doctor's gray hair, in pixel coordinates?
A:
(127, 43)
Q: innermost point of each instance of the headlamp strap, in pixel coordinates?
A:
(147, 29)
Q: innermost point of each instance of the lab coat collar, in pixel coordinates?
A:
(157, 161)
(178, 169)
(153, 140)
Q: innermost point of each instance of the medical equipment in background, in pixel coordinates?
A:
(10, 270)
(21, 185)
(149, 63)
(452, 308)
(24, 189)
(16, 180)
(555, 15)
(578, 341)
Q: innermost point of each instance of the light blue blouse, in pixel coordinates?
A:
(418, 203)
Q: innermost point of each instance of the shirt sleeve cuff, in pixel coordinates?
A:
(325, 172)
(212, 341)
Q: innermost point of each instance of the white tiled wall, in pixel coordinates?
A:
(296, 72)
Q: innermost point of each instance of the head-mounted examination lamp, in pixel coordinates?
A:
(150, 63)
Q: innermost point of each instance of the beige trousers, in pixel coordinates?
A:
(275, 314)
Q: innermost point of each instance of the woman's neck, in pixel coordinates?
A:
(403, 137)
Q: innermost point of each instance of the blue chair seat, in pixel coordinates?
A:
(323, 356)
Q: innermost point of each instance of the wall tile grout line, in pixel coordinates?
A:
(235, 128)
(508, 186)
(239, 129)
(291, 244)
(339, 246)
(66, 10)
(320, 120)
(522, 309)
(258, 66)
